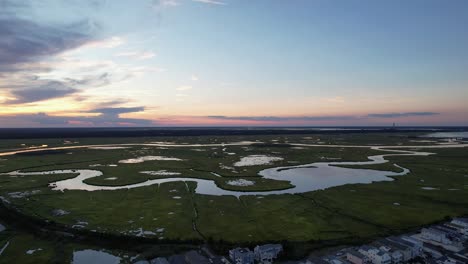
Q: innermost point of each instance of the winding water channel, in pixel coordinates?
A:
(304, 178)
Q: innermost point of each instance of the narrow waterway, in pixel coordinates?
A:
(304, 178)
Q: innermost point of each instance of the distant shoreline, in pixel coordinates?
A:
(105, 132)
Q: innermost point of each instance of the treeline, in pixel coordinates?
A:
(29, 133)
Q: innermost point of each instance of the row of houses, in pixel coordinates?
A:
(439, 244)
(264, 254)
(190, 257)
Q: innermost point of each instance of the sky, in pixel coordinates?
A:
(98, 63)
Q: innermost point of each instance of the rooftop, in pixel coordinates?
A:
(355, 253)
(241, 250)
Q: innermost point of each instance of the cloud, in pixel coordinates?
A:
(50, 90)
(115, 111)
(41, 90)
(146, 55)
(164, 3)
(40, 56)
(90, 81)
(28, 49)
(108, 43)
(184, 88)
(282, 118)
(212, 2)
(24, 41)
(406, 114)
(106, 117)
(194, 78)
(323, 118)
(137, 54)
(334, 100)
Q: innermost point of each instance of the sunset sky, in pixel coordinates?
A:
(67, 63)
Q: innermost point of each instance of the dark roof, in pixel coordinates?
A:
(193, 257)
(452, 225)
(402, 242)
(444, 229)
(366, 247)
(355, 253)
(240, 250)
(432, 247)
(457, 257)
(177, 259)
(464, 220)
(159, 261)
(434, 229)
(396, 244)
(316, 260)
(270, 246)
(217, 260)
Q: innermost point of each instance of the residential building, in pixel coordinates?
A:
(395, 254)
(434, 251)
(267, 253)
(415, 245)
(461, 229)
(315, 260)
(241, 256)
(355, 257)
(460, 222)
(159, 261)
(177, 259)
(193, 257)
(402, 248)
(454, 257)
(375, 255)
(436, 235)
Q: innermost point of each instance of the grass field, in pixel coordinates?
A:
(343, 214)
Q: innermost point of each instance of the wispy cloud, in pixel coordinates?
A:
(108, 43)
(167, 3)
(194, 78)
(282, 118)
(211, 2)
(184, 88)
(25, 41)
(406, 114)
(139, 55)
(106, 117)
(324, 118)
(40, 61)
(147, 55)
(38, 90)
(115, 111)
(47, 91)
(334, 100)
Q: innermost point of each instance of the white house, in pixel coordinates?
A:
(460, 222)
(241, 256)
(416, 245)
(396, 243)
(160, 260)
(436, 235)
(267, 253)
(375, 255)
(397, 256)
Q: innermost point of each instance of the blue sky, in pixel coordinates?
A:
(233, 62)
